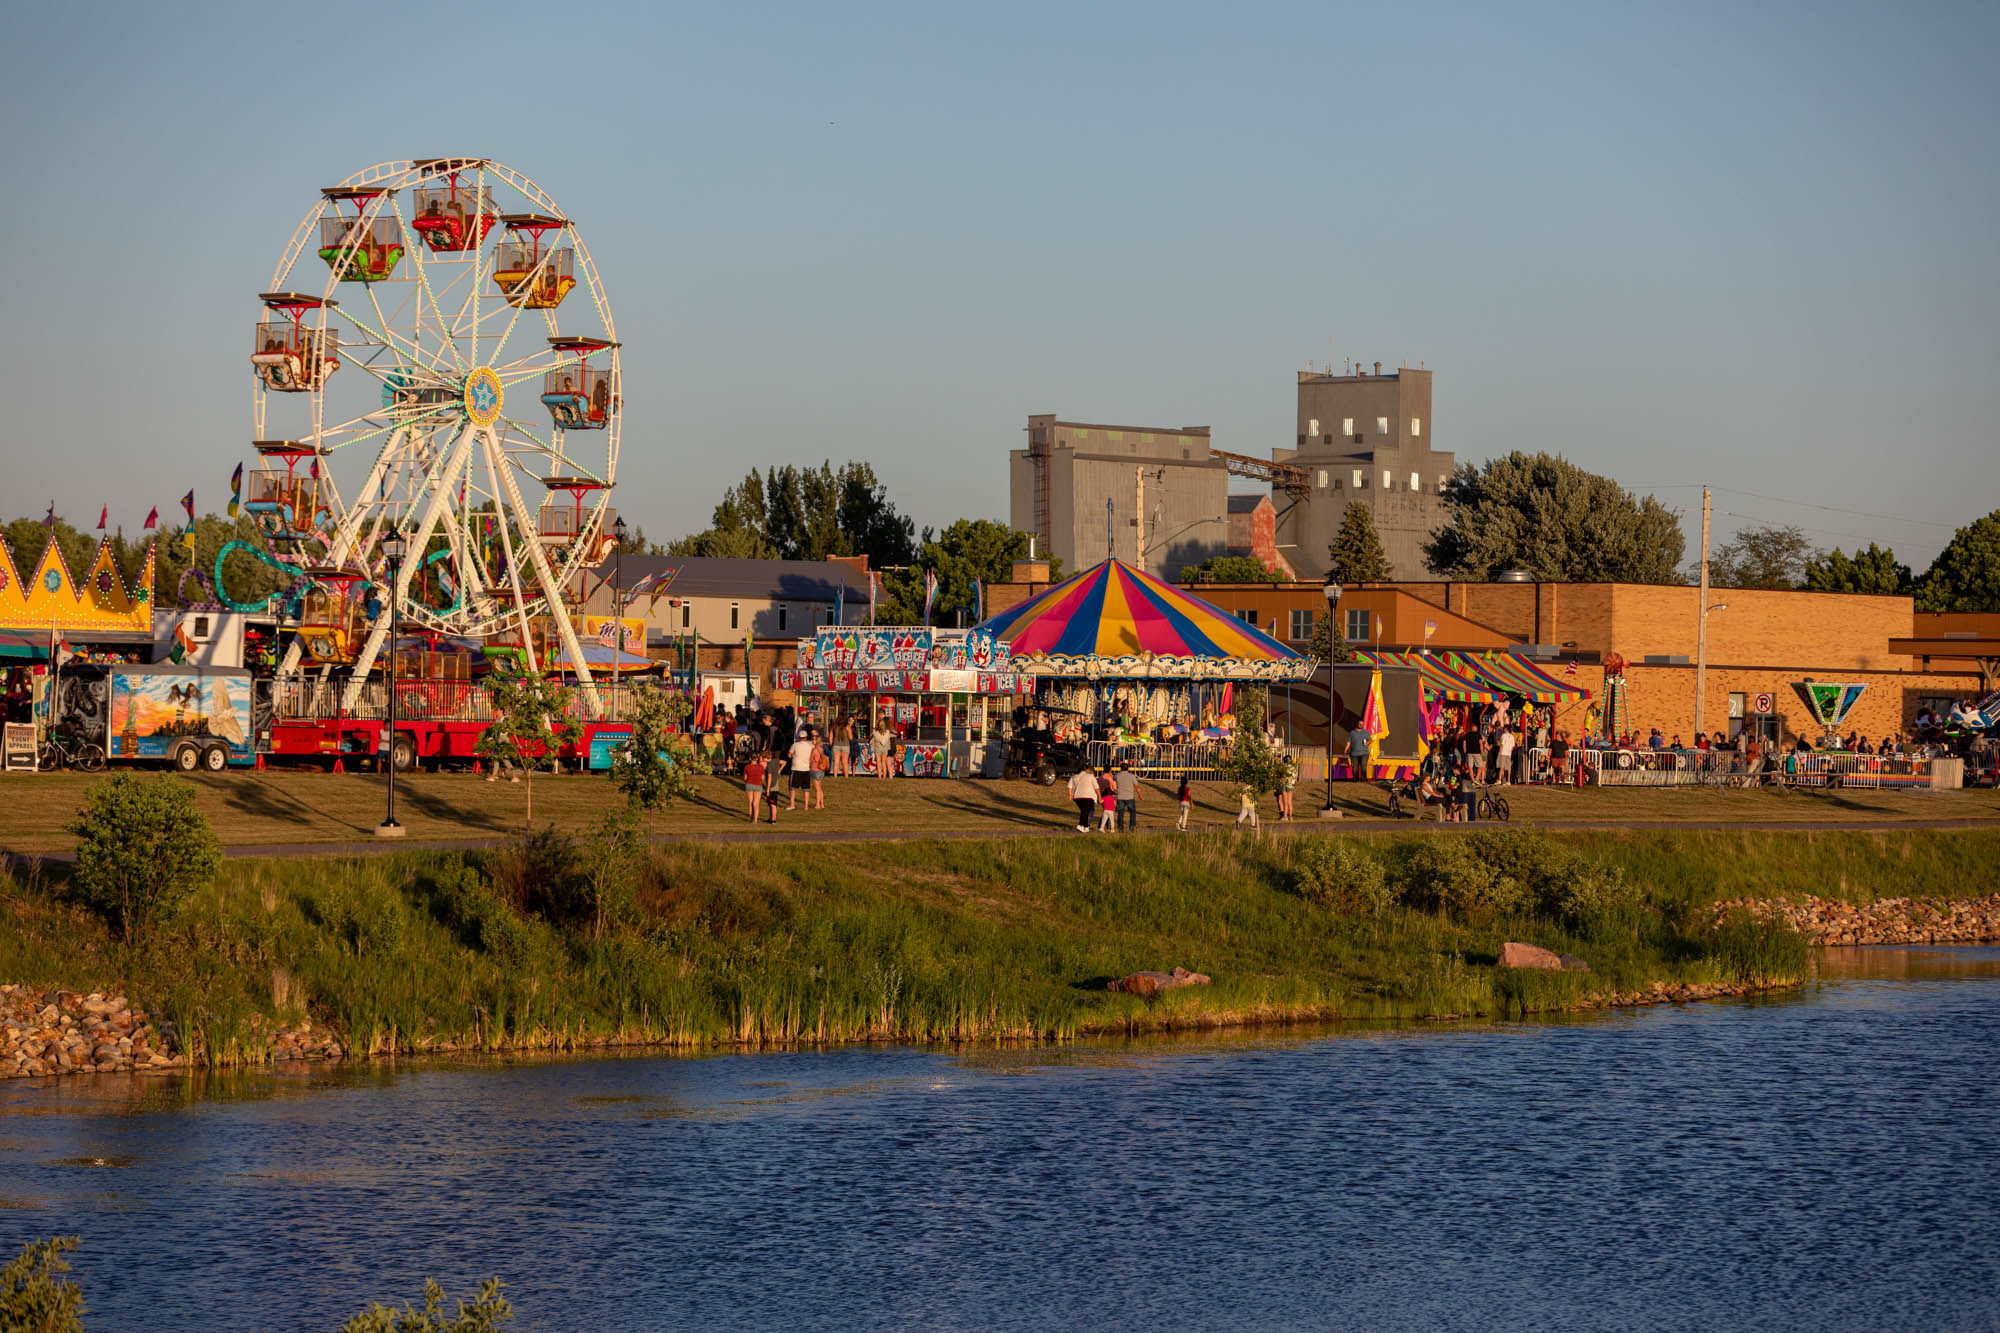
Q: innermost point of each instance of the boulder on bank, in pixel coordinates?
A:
(1515, 954)
(1148, 984)
(1571, 963)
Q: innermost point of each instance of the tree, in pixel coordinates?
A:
(34, 1296)
(1545, 514)
(1767, 556)
(1966, 574)
(1252, 762)
(971, 548)
(1356, 555)
(612, 858)
(531, 724)
(488, 1312)
(1328, 643)
(1232, 569)
(1875, 570)
(143, 848)
(657, 765)
(793, 513)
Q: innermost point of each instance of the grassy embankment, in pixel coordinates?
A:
(949, 940)
(302, 807)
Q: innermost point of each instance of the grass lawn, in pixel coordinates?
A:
(297, 807)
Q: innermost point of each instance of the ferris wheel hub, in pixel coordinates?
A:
(483, 396)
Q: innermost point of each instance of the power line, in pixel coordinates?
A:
(1807, 504)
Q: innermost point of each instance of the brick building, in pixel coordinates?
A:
(1253, 533)
(1759, 642)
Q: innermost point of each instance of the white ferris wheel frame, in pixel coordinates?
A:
(424, 468)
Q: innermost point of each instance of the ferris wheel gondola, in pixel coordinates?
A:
(449, 363)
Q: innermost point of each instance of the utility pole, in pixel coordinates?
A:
(1139, 519)
(1701, 623)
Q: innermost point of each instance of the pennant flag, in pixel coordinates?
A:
(50, 521)
(930, 593)
(152, 518)
(236, 479)
(840, 604)
(1570, 670)
(874, 583)
(313, 472)
(978, 601)
(1378, 629)
(187, 503)
(104, 518)
(1430, 628)
(187, 538)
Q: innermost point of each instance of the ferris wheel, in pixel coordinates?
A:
(435, 336)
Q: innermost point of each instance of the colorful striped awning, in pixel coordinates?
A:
(1441, 681)
(1114, 620)
(1514, 675)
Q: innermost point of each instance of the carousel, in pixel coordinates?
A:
(1119, 655)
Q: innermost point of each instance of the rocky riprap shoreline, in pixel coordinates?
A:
(1826, 921)
(62, 1032)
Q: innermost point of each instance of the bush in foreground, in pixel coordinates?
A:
(34, 1297)
(489, 1311)
(1341, 876)
(143, 849)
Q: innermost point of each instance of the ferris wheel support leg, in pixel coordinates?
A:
(553, 591)
(342, 544)
(497, 469)
(440, 492)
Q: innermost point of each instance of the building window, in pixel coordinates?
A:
(1247, 615)
(1347, 425)
(1312, 426)
(1357, 624)
(1388, 479)
(685, 608)
(735, 613)
(1359, 481)
(782, 608)
(1322, 478)
(201, 627)
(1416, 427)
(1416, 482)
(1381, 425)
(1302, 626)
(1739, 707)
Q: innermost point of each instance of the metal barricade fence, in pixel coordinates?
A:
(1199, 761)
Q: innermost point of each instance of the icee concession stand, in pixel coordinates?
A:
(941, 692)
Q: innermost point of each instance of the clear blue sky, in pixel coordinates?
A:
(1752, 245)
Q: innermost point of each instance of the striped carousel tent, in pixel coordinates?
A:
(1116, 621)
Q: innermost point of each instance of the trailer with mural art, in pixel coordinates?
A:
(186, 717)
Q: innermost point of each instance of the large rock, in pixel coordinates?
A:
(1148, 984)
(1515, 954)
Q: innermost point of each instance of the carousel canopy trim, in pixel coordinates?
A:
(1115, 620)
(1513, 675)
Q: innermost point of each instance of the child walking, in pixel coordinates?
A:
(1107, 797)
(1186, 798)
(1246, 807)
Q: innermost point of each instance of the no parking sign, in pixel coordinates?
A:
(1765, 702)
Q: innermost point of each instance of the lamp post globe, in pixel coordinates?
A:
(1332, 590)
(393, 547)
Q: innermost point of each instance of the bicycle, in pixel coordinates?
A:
(1493, 808)
(57, 751)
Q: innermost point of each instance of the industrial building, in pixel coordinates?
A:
(1155, 497)
(1363, 437)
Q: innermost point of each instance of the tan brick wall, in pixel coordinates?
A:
(1820, 632)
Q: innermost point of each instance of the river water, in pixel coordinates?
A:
(1826, 1159)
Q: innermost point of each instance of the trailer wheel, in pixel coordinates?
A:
(215, 758)
(403, 753)
(1045, 774)
(187, 758)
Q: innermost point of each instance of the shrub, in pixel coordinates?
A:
(1337, 874)
(33, 1295)
(489, 1311)
(1444, 875)
(142, 850)
(613, 857)
(460, 898)
(1533, 870)
(1587, 894)
(538, 872)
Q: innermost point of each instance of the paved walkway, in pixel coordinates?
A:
(1062, 829)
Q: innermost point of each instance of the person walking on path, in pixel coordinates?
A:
(1083, 791)
(753, 784)
(1357, 754)
(1128, 799)
(1504, 774)
(842, 764)
(1107, 797)
(883, 742)
(1246, 807)
(802, 771)
(1288, 781)
(818, 774)
(774, 765)
(1186, 798)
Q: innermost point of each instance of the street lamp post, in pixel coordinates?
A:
(617, 613)
(1332, 591)
(393, 547)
